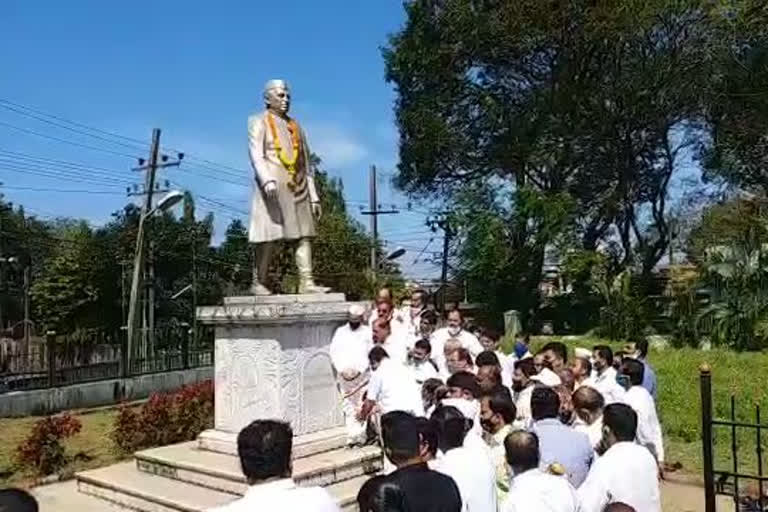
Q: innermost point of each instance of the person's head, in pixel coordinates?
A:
(400, 434)
(454, 322)
(539, 363)
(421, 350)
(497, 409)
(381, 331)
(588, 404)
(265, 448)
(385, 295)
(618, 507)
(427, 439)
(488, 377)
(418, 298)
(277, 96)
(17, 500)
(544, 403)
(581, 368)
(522, 451)
(634, 370)
(490, 339)
(641, 347)
(376, 356)
(567, 379)
(380, 494)
(428, 323)
(603, 358)
(522, 342)
(619, 424)
(459, 360)
(556, 354)
(618, 357)
(524, 370)
(463, 385)
(487, 358)
(355, 316)
(384, 309)
(451, 427)
(451, 345)
(429, 392)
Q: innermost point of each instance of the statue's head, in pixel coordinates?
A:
(277, 96)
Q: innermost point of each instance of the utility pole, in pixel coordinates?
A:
(150, 166)
(3, 209)
(26, 308)
(374, 210)
(442, 221)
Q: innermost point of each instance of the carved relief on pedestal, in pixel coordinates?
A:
(321, 406)
(247, 373)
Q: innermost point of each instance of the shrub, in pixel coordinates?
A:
(42, 449)
(166, 418)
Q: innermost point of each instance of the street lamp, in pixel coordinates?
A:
(395, 254)
(168, 201)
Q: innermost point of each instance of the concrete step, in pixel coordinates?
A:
(304, 445)
(124, 486)
(220, 472)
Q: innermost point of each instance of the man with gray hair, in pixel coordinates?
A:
(285, 201)
(349, 356)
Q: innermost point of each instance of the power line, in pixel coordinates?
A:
(73, 191)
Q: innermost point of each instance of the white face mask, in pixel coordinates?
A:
(453, 331)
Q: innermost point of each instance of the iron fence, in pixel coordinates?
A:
(730, 482)
(64, 360)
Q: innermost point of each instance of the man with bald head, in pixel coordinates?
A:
(349, 356)
(588, 406)
(533, 489)
(284, 203)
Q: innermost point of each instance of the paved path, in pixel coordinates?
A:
(63, 497)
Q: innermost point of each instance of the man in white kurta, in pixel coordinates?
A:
(265, 449)
(454, 329)
(626, 472)
(284, 203)
(637, 397)
(349, 356)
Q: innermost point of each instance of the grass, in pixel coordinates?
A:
(743, 375)
(91, 448)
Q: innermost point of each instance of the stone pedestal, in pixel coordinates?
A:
(272, 362)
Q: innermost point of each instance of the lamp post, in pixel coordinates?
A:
(167, 202)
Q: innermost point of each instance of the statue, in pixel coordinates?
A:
(285, 201)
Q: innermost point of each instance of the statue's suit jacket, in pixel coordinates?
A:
(290, 216)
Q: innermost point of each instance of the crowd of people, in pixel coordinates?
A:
(512, 431)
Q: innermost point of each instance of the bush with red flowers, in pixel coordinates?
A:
(42, 449)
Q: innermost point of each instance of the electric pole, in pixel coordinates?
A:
(137, 286)
(374, 210)
(443, 222)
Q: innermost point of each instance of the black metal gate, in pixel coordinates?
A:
(729, 482)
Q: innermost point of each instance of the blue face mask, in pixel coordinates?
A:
(520, 349)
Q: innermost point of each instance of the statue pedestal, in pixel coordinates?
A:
(272, 362)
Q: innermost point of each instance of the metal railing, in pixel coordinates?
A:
(62, 361)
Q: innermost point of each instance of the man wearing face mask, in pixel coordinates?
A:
(284, 203)
(454, 329)
(411, 314)
(522, 386)
(349, 356)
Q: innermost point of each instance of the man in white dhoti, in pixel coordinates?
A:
(285, 201)
(349, 355)
(265, 449)
(626, 472)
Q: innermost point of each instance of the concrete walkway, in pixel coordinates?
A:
(63, 497)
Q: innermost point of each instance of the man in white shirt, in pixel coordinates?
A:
(531, 488)
(491, 341)
(420, 362)
(392, 342)
(582, 372)
(497, 413)
(522, 386)
(453, 329)
(626, 472)
(604, 375)
(637, 397)
(390, 388)
(411, 315)
(588, 406)
(265, 449)
(349, 356)
(470, 468)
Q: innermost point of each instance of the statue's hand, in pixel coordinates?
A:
(317, 210)
(270, 189)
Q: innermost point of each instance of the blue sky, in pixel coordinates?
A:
(196, 70)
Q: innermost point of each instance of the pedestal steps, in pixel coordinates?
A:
(183, 478)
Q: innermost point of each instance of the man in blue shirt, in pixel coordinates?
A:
(562, 448)
(649, 375)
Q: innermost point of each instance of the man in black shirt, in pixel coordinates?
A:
(422, 489)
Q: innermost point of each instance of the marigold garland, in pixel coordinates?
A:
(289, 163)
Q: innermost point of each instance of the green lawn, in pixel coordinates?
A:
(91, 448)
(743, 375)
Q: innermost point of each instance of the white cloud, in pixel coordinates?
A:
(334, 145)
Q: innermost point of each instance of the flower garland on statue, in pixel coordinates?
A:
(289, 163)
